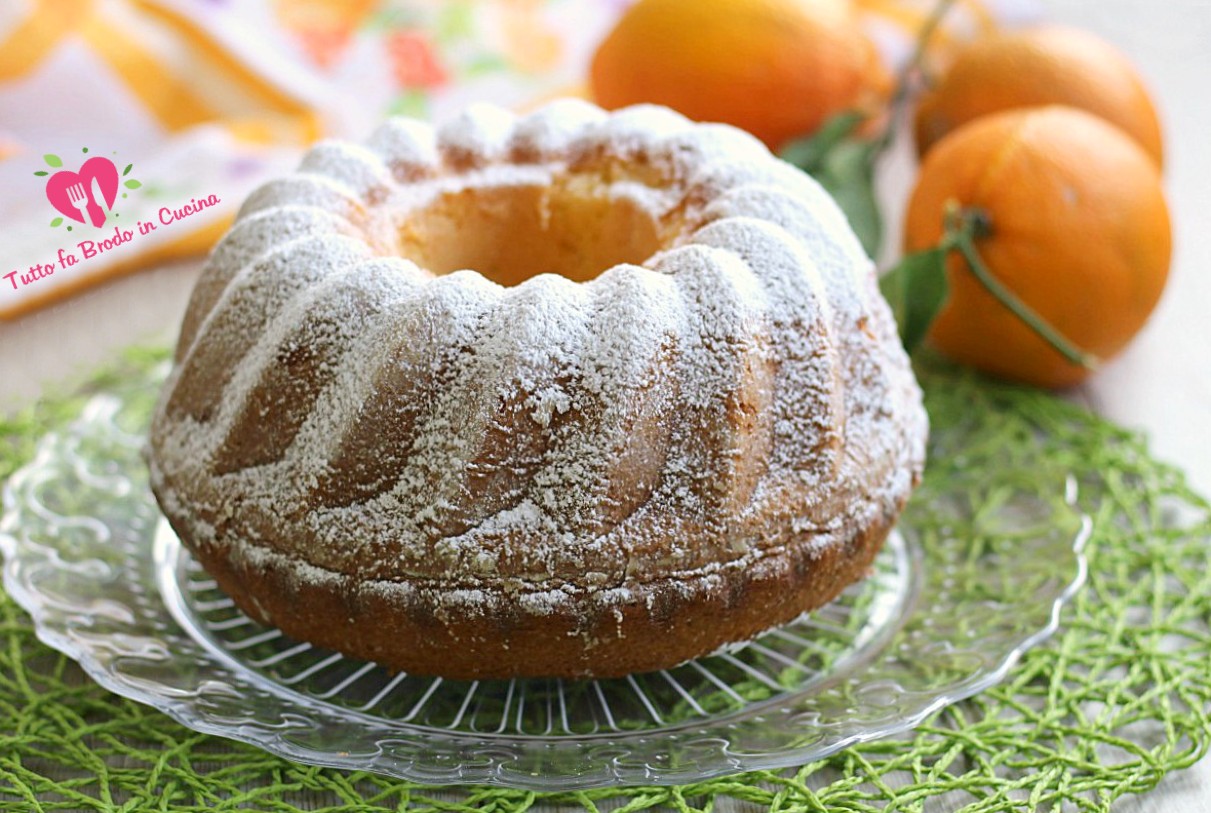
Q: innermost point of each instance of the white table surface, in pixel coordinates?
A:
(1161, 384)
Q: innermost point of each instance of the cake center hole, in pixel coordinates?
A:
(577, 227)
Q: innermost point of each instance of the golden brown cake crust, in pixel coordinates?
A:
(522, 473)
(663, 623)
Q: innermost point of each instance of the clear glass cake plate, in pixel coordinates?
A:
(972, 577)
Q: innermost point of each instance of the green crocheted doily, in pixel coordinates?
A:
(1118, 698)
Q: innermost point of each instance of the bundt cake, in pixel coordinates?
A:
(570, 394)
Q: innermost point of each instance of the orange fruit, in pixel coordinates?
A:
(1078, 229)
(777, 68)
(1038, 66)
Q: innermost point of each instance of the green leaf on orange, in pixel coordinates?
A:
(848, 173)
(916, 288)
(845, 166)
(808, 152)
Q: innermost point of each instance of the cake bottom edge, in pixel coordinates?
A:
(595, 634)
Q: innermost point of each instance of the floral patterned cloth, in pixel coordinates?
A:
(210, 97)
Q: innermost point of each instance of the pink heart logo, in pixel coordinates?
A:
(65, 186)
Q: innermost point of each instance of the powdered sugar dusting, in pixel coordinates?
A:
(476, 136)
(408, 147)
(353, 165)
(310, 191)
(545, 134)
(738, 393)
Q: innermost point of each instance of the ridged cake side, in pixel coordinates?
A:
(459, 478)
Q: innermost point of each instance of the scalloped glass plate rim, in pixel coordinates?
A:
(185, 712)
